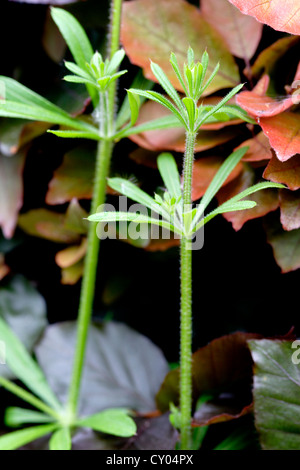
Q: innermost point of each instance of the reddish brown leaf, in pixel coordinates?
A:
(72, 274)
(259, 148)
(239, 32)
(204, 170)
(283, 132)
(268, 58)
(11, 191)
(280, 16)
(74, 178)
(267, 199)
(151, 30)
(47, 224)
(285, 245)
(218, 366)
(284, 172)
(263, 106)
(213, 413)
(289, 209)
(71, 255)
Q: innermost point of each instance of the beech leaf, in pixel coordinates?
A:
(270, 12)
(145, 34)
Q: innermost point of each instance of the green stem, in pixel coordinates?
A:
(89, 275)
(28, 397)
(186, 305)
(104, 152)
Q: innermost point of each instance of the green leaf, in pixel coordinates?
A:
(130, 190)
(61, 440)
(212, 76)
(253, 189)
(236, 111)
(226, 207)
(15, 417)
(169, 172)
(276, 393)
(175, 66)
(226, 98)
(131, 217)
(191, 111)
(19, 110)
(78, 70)
(114, 421)
(77, 41)
(18, 93)
(154, 96)
(76, 134)
(221, 176)
(24, 310)
(115, 61)
(166, 84)
(16, 439)
(24, 367)
(75, 79)
(134, 103)
(125, 112)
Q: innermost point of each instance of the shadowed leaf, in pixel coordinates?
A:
(287, 172)
(239, 32)
(276, 394)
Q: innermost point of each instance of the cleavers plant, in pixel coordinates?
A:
(103, 126)
(175, 208)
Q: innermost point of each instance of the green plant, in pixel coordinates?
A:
(177, 214)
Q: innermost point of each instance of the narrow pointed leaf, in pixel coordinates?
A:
(15, 417)
(130, 190)
(236, 206)
(169, 172)
(212, 76)
(61, 440)
(76, 134)
(174, 63)
(134, 103)
(16, 439)
(32, 112)
(166, 84)
(115, 61)
(18, 93)
(78, 70)
(77, 41)
(112, 421)
(25, 368)
(76, 79)
(142, 84)
(226, 98)
(222, 175)
(191, 110)
(254, 189)
(153, 95)
(130, 217)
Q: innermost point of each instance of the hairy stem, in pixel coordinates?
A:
(186, 305)
(104, 152)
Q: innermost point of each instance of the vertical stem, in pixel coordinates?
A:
(186, 305)
(104, 152)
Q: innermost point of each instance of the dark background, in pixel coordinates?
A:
(236, 282)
